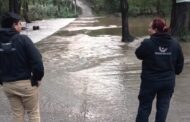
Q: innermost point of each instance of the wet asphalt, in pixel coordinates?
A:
(96, 79)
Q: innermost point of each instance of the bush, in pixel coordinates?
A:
(136, 7)
(37, 12)
(104, 6)
(63, 9)
(134, 11)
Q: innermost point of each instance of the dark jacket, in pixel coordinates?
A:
(19, 58)
(161, 56)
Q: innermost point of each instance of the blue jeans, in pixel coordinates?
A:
(148, 91)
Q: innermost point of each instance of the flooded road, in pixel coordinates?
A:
(91, 76)
(85, 9)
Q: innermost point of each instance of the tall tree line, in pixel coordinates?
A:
(15, 7)
(180, 12)
(39, 9)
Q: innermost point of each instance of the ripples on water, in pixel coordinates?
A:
(98, 74)
(96, 68)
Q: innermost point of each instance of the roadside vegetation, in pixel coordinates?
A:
(177, 13)
(136, 7)
(41, 9)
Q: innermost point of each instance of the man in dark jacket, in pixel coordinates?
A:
(21, 69)
(162, 59)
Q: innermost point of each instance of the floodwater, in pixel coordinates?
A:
(91, 76)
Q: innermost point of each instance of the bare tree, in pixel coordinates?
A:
(126, 36)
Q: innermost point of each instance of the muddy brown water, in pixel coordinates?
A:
(91, 76)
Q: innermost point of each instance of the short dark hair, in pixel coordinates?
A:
(8, 19)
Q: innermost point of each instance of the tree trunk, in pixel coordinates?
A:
(180, 20)
(11, 5)
(75, 2)
(33, 2)
(0, 7)
(55, 2)
(173, 16)
(159, 11)
(188, 17)
(15, 6)
(126, 36)
(25, 11)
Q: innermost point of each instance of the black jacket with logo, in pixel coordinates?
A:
(19, 58)
(161, 56)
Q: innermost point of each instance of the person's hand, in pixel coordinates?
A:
(39, 83)
(35, 83)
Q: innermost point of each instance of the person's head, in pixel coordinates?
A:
(158, 25)
(11, 20)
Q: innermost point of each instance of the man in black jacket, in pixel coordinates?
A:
(162, 59)
(21, 69)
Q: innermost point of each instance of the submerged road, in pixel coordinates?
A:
(95, 79)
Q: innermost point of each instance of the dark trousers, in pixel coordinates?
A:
(148, 91)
